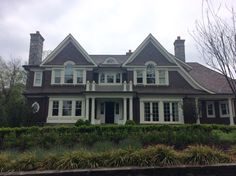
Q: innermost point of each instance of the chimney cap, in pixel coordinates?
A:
(178, 38)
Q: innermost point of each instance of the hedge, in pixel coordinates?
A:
(177, 135)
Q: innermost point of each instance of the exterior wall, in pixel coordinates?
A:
(217, 119)
(40, 117)
(136, 110)
(189, 110)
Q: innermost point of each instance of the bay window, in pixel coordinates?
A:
(67, 108)
(151, 111)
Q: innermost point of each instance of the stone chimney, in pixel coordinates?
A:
(179, 48)
(36, 48)
(129, 53)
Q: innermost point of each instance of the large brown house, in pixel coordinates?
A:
(149, 86)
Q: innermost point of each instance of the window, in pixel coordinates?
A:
(224, 108)
(57, 76)
(68, 73)
(139, 76)
(117, 109)
(147, 111)
(166, 111)
(67, 108)
(35, 107)
(102, 108)
(175, 112)
(210, 109)
(102, 78)
(151, 111)
(38, 78)
(162, 77)
(78, 105)
(150, 74)
(79, 75)
(155, 111)
(55, 108)
(110, 78)
(118, 80)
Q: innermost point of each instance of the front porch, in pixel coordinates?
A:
(109, 109)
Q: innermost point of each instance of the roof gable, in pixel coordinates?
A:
(150, 50)
(68, 49)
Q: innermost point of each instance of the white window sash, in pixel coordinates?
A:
(227, 108)
(40, 78)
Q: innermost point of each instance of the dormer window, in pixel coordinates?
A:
(150, 73)
(68, 73)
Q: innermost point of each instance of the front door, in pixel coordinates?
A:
(109, 114)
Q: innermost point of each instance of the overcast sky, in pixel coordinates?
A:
(100, 26)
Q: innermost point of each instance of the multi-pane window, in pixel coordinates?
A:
(224, 108)
(175, 112)
(155, 111)
(57, 76)
(117, 108)
(162, 77)
(139, 76)
(37, 78)
(78, 105)
(147, 111)
(110, 78)
(151, 111)
(102, 108)
(79, 76)
(68, 73)
(118, 80)
(67, 108)
(102, 78)
(151, 76)
(210, 109)
(166, 111)
(55, 108)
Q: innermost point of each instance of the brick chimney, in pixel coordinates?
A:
(36, 48)
(179, 48)
(129, 53)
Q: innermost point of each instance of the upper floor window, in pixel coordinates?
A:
(57, 76)
(68, 73)
(79, 76)
(38, 78)
(110, 78)
(162, 77)
(150, 73)
(139, 76)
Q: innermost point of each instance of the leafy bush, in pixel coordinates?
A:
(204, 155)
(81, 122)
(130, 122)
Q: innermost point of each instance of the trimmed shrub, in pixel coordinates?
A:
(130, 122)
(81, 122)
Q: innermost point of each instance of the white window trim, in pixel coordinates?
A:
(213, 109)
(63, 76)
(110, 73)
(220, 103)
(161, 110)
(41, 77)
(65, 119)
(157, 83)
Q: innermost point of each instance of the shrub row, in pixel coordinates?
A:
(159, 155)
(177, 135)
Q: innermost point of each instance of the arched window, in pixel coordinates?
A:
(69, 73)
(151, 76)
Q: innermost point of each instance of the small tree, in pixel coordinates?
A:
(215, 37)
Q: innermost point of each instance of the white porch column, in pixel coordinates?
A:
(231, 116)
(197, 111)
(93, 111)
(131, 108)
(125, 109)
(87, 109)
